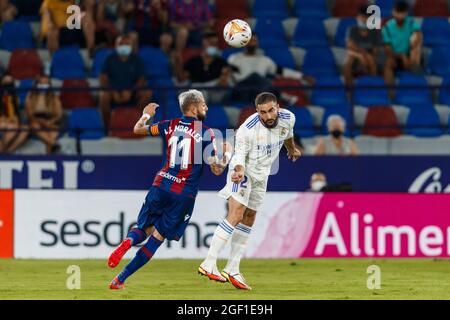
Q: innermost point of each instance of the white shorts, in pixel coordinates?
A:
(248, 192)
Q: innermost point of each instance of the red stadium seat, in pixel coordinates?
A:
(431, 8)
(25, 64)
(122, 122)
(385, 119)
(218, 28)
(245, 113)
(347, 8)
(76, 99)
(285, 82)
(232, 9)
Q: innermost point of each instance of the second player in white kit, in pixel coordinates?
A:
(258, 142)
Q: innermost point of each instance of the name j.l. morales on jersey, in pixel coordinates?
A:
(181, 128)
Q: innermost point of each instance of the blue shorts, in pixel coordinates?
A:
(168, 212)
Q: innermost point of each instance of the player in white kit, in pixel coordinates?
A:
(258, 142)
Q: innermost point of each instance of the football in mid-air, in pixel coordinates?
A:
(237, 33)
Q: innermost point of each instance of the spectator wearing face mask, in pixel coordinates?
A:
(207, 69)
(363, 48)
(44, 113)
(335, 143)
(123, 71)
(317, 182)
(11, 138)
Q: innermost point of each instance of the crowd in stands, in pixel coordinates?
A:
(141, 50)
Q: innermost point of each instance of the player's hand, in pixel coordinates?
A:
(237, 176)
(294, 155)
(150, 109)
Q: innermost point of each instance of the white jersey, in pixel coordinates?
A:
(257, 147)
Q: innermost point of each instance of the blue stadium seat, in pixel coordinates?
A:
(436, 32)
(386, 7)
(155, 61)
(67, 63)
(340, 38)
(229, 51)
(24, 84)
(310, 33)
(281, 56)
(217, 118)
(304, 126)
(328, 96)
(423, 121)
(16, 35)
(161, 96)
(439, 61)
(369, 96)
(444, 93)
(89, 121)
(270, 8)
(414, 95)
(319, 62)
(344, 110)
(316, 9)
(270, 33)
(99, 60)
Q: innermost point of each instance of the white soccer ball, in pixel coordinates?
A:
(237, 33)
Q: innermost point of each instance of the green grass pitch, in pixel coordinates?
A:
(270, 279)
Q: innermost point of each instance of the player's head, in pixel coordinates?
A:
(192, 103)
(336, 125)
(400, 11)
(267, 107)
(318, 181)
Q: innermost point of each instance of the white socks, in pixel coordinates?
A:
(223, 232)
(239, 242)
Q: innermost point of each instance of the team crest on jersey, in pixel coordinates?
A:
(242, 192)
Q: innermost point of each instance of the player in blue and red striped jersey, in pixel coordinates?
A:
(169, 203)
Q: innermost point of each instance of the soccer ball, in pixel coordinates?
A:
(237, 33)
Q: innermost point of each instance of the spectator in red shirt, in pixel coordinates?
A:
(189, 18)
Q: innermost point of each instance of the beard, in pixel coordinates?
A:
(201, 116)
(271, 123)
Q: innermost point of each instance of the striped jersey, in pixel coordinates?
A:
(186, 140)
(257, 147)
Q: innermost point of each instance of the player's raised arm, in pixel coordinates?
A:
(141, 127)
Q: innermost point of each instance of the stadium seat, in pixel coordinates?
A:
(188, 53)
(232, 9)
(24, 85)
(24, 64)
(270, 33)
(270, 8)
(99, 60)
(316, 9)
(431, 8)
(444, 93)
(67, 63)
(155, 61)
(88, 122)
(304, 126)
(310, 33)
(161, 93)
(436, 32)
(281, 56)
(423, 121)
(217, 118)
(381, 122)
(319, 62)
(368, 96)
(28, 10)
(439, 61)
(16, 35)
(413, 95)
(347, 8)
(342, 109)
(218, 29)
(244, 114)
(328, 96)
(340, 37)
(122, 122)
(76, 99)
(386, 7)
(302, 100)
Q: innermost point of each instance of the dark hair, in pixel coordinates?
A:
(209, 34)
(363, 10)
(265, 97)
(401, 6)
